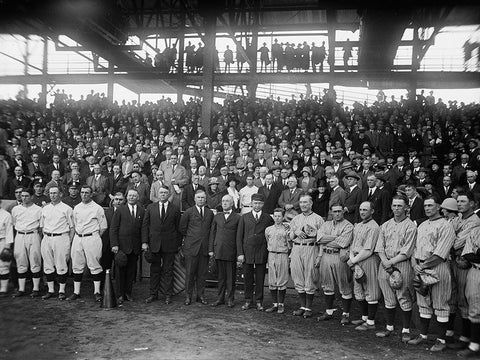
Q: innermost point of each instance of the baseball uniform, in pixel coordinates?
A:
(6, 239)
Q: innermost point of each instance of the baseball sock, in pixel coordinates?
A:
(61, 288)
(466, 327)
(424, 323)
(3, 285)
(442, 330)
(281, 296)
(309, 301)
(390, 314)
(451, 324)
(303, 300)
(21, 284)
(76, 287)
(274, 294)
(96, 287)
(51, 287)
(364, 309)
(475, 337)
(346, 304)
(406, 319)
(329, 301)
(36, 283)
(372, 312)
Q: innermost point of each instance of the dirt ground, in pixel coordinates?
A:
(36, 329)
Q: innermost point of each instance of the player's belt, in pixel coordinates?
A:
(84, 235)
(246, 205)
(278, 252)
(311, 243)
(26, 232)
(331, 251)
(53, 234)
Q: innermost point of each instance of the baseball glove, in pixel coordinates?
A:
(462, 263)
(395, 278)
(344, 255)
(6, 255)
(420, 286)
(359, 274)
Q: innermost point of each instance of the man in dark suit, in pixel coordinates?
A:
(353, 198)
(289, 198)
(223, 246)
(252, 250)
(417, 212)
(56, 165)
(188, 193)
(160, 235)
(126, 236)
(17, 180)
(379, 198)
(445, 190)
(271, 192)
(195, 226)
(142, 187)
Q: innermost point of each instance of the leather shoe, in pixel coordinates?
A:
(168, 300)
(259, 306)
(35, 294)
(48, 295)
(202, 300)
(128, 297)
(98, 297)
(73, 297)
(61, 296)
(247, 305)
(120, 300)
(272, 309)
(188, 300)
(150, 299)
(230, 304)
(218, 303)
(18, 293)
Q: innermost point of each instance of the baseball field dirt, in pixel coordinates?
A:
(36, 329)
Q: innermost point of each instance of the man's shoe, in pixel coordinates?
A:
(271, 309)
(188, 300)
(230, 304)
(365, 327)
(357, 322)
(150, 299)
(259, 306)
(202, 300)
(325, 317)
(73, 297)
(98, 297)
(247, 305)
(406, 337)
(383, 333)
(128, 297)
(459, 345)
(48, 295)
(345, 319)
(34, 294)
(438, 346)
(418, 340)
(467, 353)
(307, 314)
(18, 293)
(298, 312)
(217, 303)
(61, 296)
(168, 300)
(281, 309)
(120, 300)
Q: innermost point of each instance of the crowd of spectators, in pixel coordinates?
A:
(419, 145)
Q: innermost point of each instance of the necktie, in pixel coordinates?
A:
(163, 211)
(256, 216)
(370, 193)
(132, 211)
(201, 212)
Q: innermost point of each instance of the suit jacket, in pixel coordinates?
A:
(381, 201)
(475, 189)
(417, 212)
(31, 169)
(101, 188)
(188, 196)
(251, 240)
(443, 194)
(118, 185)
(13, 182)
(106, 234)
(352, 203)
(287, 197)
(271, 197)
(162, 235)
(196, 231)
(318, 172)
(459, 175)
(337, 197)
(143, 192)
(223, 236)
(320, 204)
(50, 168)
(126, 231)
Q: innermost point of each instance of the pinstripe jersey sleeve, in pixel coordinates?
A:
(365, 236)
(463, 227)
(434, 238)
(397, 238)
(343, 231)
(472, 241)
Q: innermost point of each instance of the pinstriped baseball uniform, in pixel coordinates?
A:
(26, 247)
(6, 238)
(56, 219)
(397, 238)
(303, 256)
(332, 269)
(365, 235)
(88, 219)
(472, 287)
(463, 227)
(277, 245)
(435, 237)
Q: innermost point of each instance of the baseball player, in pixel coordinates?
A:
(303, 233)
(26, 248)
(57, 227)
(471, 252)
(434, 240)
(90, 223)
(6, 241)
(362, 252)
(465, 224)
(395, 245)
(335, 236)
(278, 247)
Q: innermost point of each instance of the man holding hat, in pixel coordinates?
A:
(252, 251)
(126, 240)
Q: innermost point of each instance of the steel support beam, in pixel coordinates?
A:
(208, 71)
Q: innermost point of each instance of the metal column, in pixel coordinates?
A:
(208, 72)
(111, 81)
(43, 97)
